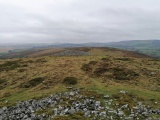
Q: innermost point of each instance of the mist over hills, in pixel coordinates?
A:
(148, 47)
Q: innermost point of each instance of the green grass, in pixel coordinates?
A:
(97, 85)
(144, 94)
(25, 94)
(76, 116)
(44, 76)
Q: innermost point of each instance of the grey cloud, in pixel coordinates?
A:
(79, 21)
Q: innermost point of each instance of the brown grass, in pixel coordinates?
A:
(97, 75)
(46, 52)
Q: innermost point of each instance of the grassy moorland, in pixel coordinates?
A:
(148, 47)
(106, 71)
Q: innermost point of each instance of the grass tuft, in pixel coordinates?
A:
(70, 80)
(32, 83)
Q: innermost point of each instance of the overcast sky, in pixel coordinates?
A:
(78, 21)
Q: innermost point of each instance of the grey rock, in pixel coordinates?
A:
(71, 111)
(106, 96)
(123, 92)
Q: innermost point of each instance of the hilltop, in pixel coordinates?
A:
(147, 47)
(39, 52)
(122, 76)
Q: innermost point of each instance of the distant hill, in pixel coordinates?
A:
(72, 51)
(149, 47)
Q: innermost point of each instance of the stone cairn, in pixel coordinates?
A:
(72, 102)
(72, 53)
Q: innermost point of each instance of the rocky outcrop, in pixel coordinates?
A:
(71, 53)
(72, 102)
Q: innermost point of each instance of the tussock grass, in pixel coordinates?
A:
(95, 73)
(2, 81)
(70, 80)
(33, 82)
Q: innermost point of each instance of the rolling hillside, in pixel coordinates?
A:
(148, 47)
(120, 76)
(39, 52)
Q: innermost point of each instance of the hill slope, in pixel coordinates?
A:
(149, 47)
(122, 75)
(39, 52)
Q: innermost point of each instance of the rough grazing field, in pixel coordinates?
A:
(124, 82)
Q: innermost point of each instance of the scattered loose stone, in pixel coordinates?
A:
(69, 87)
(89, 106)
(72, 53)
(123, 92)
(106, 96)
